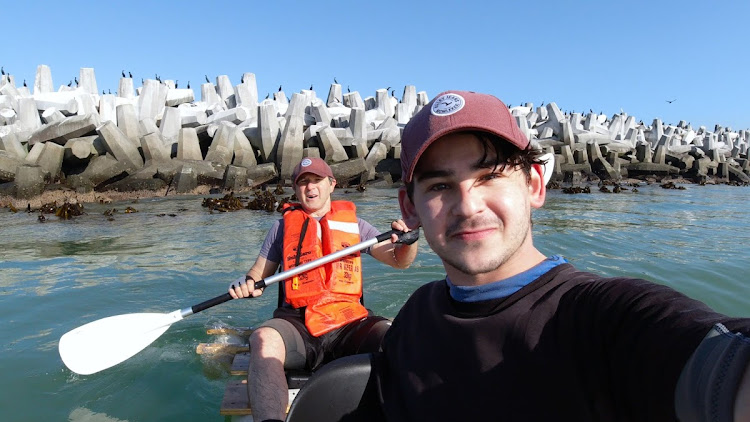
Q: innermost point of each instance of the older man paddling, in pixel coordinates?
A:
(511, 334)
(320, 315)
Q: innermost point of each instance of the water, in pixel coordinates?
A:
(62, 274)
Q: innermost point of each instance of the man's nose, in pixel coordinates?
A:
(469, 200)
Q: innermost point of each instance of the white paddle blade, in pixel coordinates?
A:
(104, 343)
(548, 167)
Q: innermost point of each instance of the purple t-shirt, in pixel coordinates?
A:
(273, 247)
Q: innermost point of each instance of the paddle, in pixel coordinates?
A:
(548, 166)
(106, 342)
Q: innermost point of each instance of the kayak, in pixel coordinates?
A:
(342, 390)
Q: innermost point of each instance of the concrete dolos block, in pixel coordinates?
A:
(289, 152)
(50, 159)
(64, 130)
(120, 146)
(29, 181)
(188, 147)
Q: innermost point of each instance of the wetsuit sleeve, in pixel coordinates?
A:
(707, 387)
(273, 245)
(366, 232)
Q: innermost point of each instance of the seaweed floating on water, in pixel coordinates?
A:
(263, 201)
(576, 189)
(672, 185)
(228, 203)
(67, 210)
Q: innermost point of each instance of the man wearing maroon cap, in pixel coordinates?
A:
(511, 334)
(320, 316)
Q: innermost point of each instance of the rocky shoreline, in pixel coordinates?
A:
(158, 140)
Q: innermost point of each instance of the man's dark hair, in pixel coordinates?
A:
(506, 154)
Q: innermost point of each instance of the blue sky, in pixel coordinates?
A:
(606, 56)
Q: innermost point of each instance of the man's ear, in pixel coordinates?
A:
(408, 212)
(537, 188)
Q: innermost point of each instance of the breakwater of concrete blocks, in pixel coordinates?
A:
(157, 135)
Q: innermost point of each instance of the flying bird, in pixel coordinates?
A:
(671, 101)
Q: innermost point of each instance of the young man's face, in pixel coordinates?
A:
(314, 193)
(477, 219)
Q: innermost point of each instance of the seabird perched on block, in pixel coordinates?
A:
(130, 75)
(123, 73)
(279, 88)
(2, 70)
(70, 83)
(188, 86)
(347, 89)
(24, 82)
(334, 80)
(207, 80)
(311, 88)
(176, 83)
(267, 95)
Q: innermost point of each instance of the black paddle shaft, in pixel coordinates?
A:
(403, 237)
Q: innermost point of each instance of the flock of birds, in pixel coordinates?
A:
(129, 74)
(242, 80)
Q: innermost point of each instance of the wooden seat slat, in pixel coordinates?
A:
(235, 401)
(240, 363)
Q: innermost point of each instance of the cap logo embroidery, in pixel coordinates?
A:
(306, 162)
(447, 104)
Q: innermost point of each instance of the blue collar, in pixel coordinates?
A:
(503, 288)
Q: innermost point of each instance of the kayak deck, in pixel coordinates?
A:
(342, 390)
(235, 401)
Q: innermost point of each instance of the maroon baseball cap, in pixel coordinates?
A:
(311, 165)
(456, 111)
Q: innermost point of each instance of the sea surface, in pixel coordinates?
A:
(58, 275)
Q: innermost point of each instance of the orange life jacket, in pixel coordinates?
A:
(331, 293)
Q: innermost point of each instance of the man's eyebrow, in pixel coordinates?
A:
(432, 174)
(486, 163)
